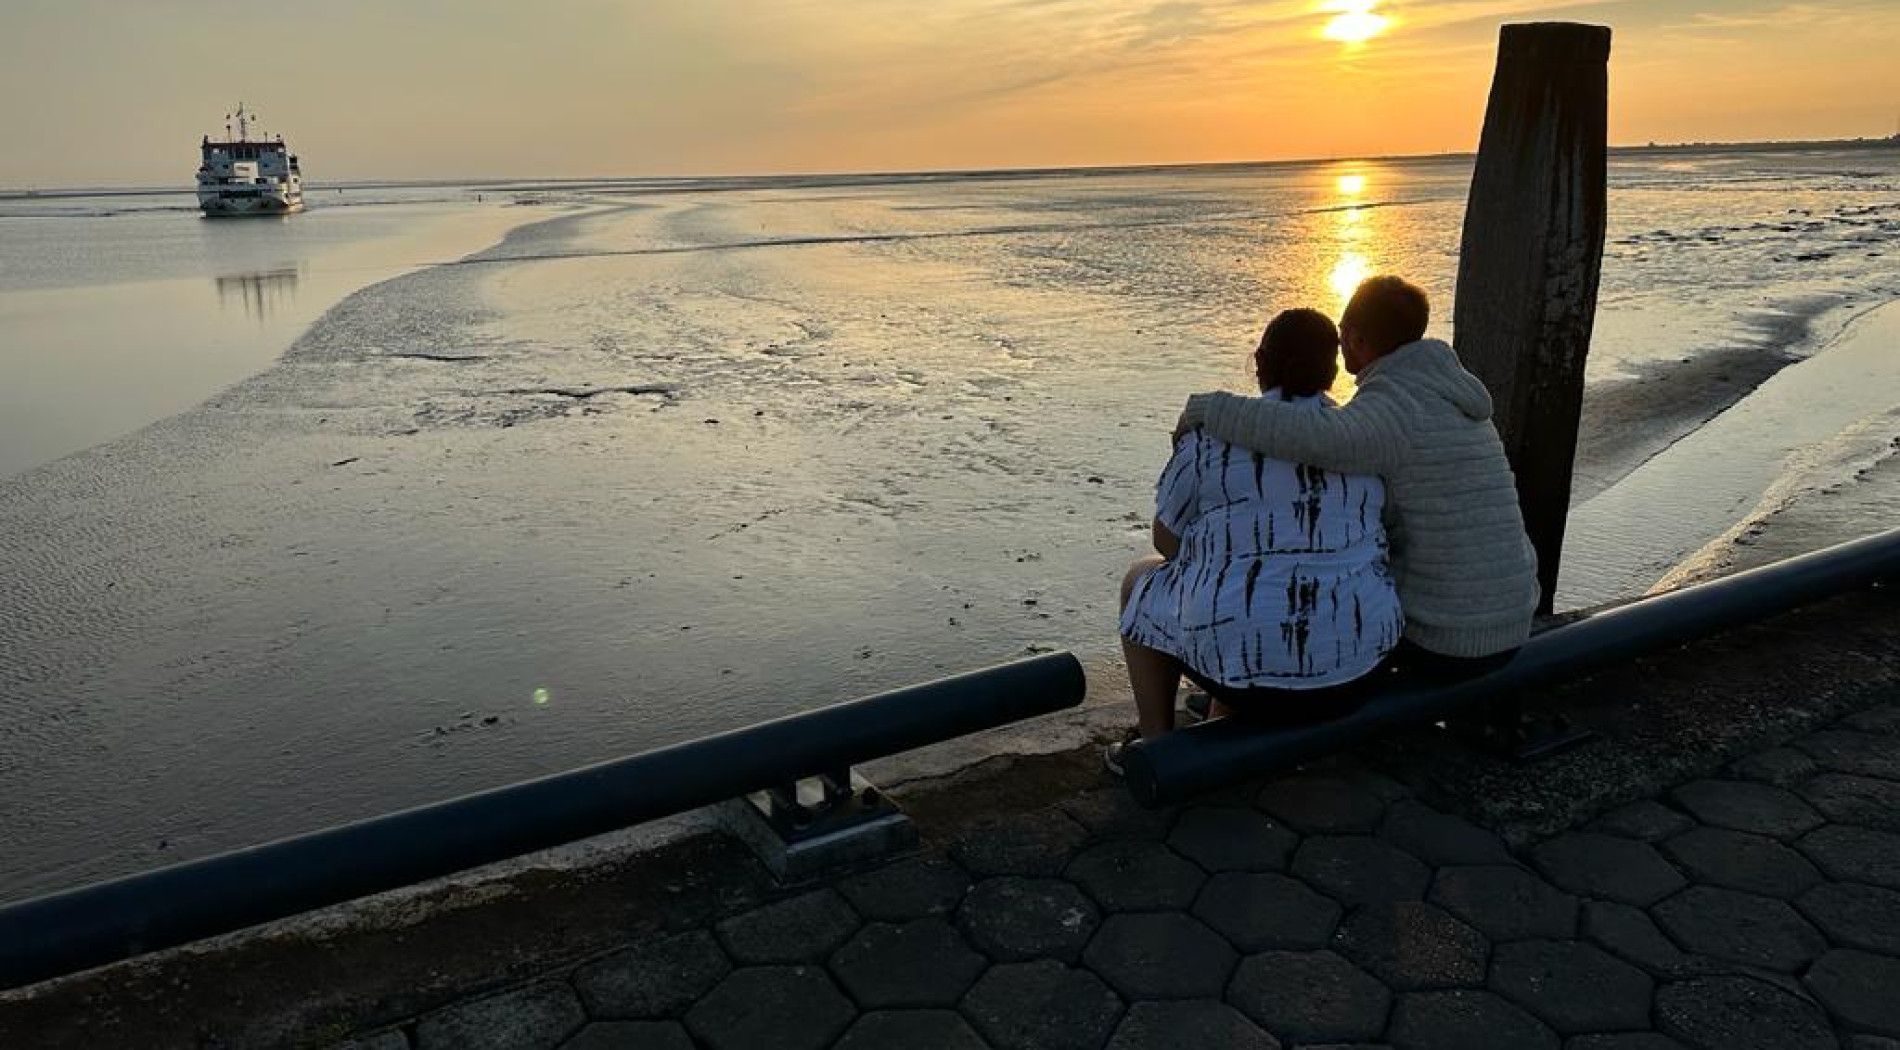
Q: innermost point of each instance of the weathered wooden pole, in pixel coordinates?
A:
(1532, 253)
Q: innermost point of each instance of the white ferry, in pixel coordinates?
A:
(242, 177)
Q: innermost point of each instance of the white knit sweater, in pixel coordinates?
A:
(1467, 575)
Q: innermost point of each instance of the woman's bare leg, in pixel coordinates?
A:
(1154, 676)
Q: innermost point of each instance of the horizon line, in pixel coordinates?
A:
(529, 182)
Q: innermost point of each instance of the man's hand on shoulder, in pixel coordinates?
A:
(1194, 416)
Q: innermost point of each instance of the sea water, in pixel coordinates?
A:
(119, 309)
(676, 456)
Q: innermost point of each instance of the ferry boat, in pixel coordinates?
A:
(240, 177)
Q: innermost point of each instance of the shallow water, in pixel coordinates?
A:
(695, 458)
(1811, 426)
(119, 311)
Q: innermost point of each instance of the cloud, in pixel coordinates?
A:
(1790, 14)
(605, 86)
(991, 53)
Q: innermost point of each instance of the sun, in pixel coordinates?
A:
(1354, 21)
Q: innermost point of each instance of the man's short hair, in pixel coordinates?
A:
(1389, 312)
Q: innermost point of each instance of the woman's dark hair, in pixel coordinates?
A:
(1299, 354)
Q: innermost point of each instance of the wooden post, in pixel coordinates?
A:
(1532, 253)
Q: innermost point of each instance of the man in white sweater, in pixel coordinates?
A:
(1466, 572)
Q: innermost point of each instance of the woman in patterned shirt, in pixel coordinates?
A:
(1270, 588)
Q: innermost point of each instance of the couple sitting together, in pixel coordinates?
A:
(1306, 549)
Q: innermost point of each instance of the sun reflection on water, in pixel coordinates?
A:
(1348, 272)
(1355, 245)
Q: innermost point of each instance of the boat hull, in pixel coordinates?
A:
(258, 204)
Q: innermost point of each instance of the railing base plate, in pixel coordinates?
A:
(819, 825)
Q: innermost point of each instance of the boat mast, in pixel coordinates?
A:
(243, 124)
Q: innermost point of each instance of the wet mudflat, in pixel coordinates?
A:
(679, 462)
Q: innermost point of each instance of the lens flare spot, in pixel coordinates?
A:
(1351, 185)
(542, 696)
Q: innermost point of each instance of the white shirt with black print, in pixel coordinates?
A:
(1282, 580)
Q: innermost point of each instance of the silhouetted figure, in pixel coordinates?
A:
(1466, 572)
(1270, 588)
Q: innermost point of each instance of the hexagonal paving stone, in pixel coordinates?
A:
(1737, 860)
(1854, 854)
(1623, 1041)
(1136, 876)
(1740, 1013)
(1260, 912)
(1440, 838)
(1221, 838)
(631, 1035)
(1740, 928)
(1040, 843)
(540, 1015)
(1855, 916)
(805, 928)
(1742, 806)
(908, 889)
(379, 1041)
(1013, 919)
(1238, 795)
(1309, 997)
(911, 1030)
(1780, 766)
(655, 980)
(1860, 988)
(1412, 946)
(1505, 903)
(923, 962)
(1864, 754)
(1883, 719)
(1172, 1026)
(1111, 813)
(1646, 820)
(1467, 1020)
(1607, 866)
(1850, 799)
(1574, 987)
(1319, 804)
(1161, 955)
(1630, 934)
(785, 1007)
(1042, 1005)
(1354, 869)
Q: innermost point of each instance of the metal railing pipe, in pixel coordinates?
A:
(1213, 754)
(92, 925)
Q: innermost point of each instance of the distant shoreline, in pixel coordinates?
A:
(729, 180)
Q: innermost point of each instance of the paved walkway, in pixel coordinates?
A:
(1760, 910)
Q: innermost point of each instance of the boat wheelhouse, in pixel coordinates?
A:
(239, 176)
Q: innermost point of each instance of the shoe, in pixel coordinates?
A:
(1112, 754)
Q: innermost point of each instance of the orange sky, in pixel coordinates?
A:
(111, 92)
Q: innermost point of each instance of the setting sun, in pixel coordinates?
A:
(1354, 21)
